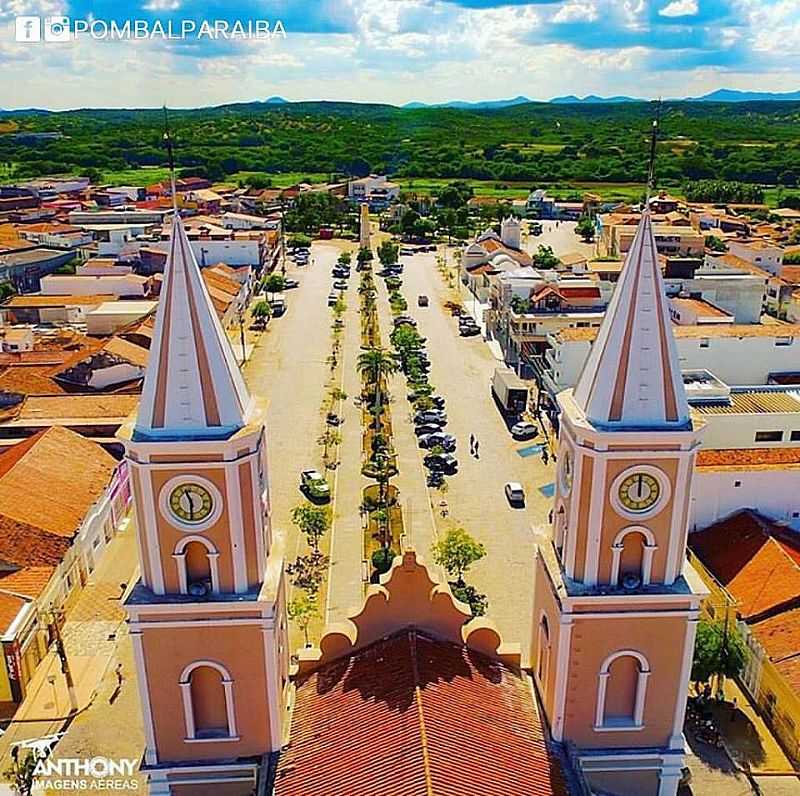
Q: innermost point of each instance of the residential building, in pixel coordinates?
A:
(751, 566)
(50, 309)
(617, 233)
(111, 239)
(760, 253)
(244, 221)
(540, 205)
(766, 480)
(24, 268)
(686, 311)
(487, 256)
(376, 190)
(49, 548)
(110, 316)
(128, 285)
(526, 306)
(615, 603)
(739, 355)
(56, 236)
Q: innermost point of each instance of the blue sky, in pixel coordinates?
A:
(402, 50)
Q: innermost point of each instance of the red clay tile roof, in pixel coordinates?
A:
(52, 479)
(748, 459)
(27, 546)
(28, 581)
(10, 606)
(757, 561)
(780, 637)
(413, 715)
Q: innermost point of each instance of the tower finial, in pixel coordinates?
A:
(651, 170)
(171, 160)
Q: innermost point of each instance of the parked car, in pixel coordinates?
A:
(524, 430)
(289, 284)
(313, 484)
(469, 331)
(341, 273)
(515, 494)
(405, 250)
(445, 462)
(278, 305)
(340, 284)
(422, 300)
(427, 428)
(438, 439)
(437, 401)
(332, 298)
(536, 229)
(431, 416)
(404, 319)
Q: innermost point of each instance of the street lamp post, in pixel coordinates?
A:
(54, 625)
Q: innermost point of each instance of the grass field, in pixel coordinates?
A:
(147, 175)
(6, 171)
(283, 180)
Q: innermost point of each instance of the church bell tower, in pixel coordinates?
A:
(208, 616)
(616, 604)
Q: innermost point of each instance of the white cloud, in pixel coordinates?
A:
(680, 8)
(576, 11)
(162, 5)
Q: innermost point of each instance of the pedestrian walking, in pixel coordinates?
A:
(471, 444)
(120, 676)
(545, 457)
(477, 455)
(550, 517)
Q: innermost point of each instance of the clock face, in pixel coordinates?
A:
(639, 492)
(191, 503)
(567, 471)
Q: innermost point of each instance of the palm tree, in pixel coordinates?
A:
(374, 365)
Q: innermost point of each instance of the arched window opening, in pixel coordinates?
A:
(207, 692)
(196, 561)
(198, 564)
(543, 661)
(208, 703)
(621, 691)
(632, 559)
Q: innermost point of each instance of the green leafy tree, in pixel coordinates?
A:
(457, 552)
(545, 258)
(302, 610)
(718, 651)
(21, 774)
(374, 365)
(364, 255)
(262, 312)
(585, 228)
(387, 252)
(299, 240)
(715, 244)
(273, 284)
(313, 521)
(345, 258)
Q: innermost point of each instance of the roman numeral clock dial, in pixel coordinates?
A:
(191, 503)
(639, 492)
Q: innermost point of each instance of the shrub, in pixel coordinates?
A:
(382, 559)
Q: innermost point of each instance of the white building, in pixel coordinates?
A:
(766, 480)
(110, 316)
(738, 355)
(759, 253)
(246, 221)
(122, 285)
(511, 232)
(687, 311)
(375, 188)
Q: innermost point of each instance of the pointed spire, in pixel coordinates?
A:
(193, 388)
(631, 379)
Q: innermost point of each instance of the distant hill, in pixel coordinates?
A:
(591, 99)
(276, 101)
(731, 95)
(473, 106)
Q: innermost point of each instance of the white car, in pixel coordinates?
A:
(524, 430)
(515, 494)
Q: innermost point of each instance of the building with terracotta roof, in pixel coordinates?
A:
(752, 567)
(49, 547)
(413, 695)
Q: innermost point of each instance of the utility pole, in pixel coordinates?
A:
(55, 618)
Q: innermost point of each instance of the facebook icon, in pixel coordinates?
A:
(29, 29)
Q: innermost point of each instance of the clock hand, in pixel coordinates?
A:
(191, 505)
(639, 489)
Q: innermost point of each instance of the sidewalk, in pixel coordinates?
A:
(90, 639)
(748, 740)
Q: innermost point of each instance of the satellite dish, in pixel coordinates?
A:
(198, 589)
(631, 581)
